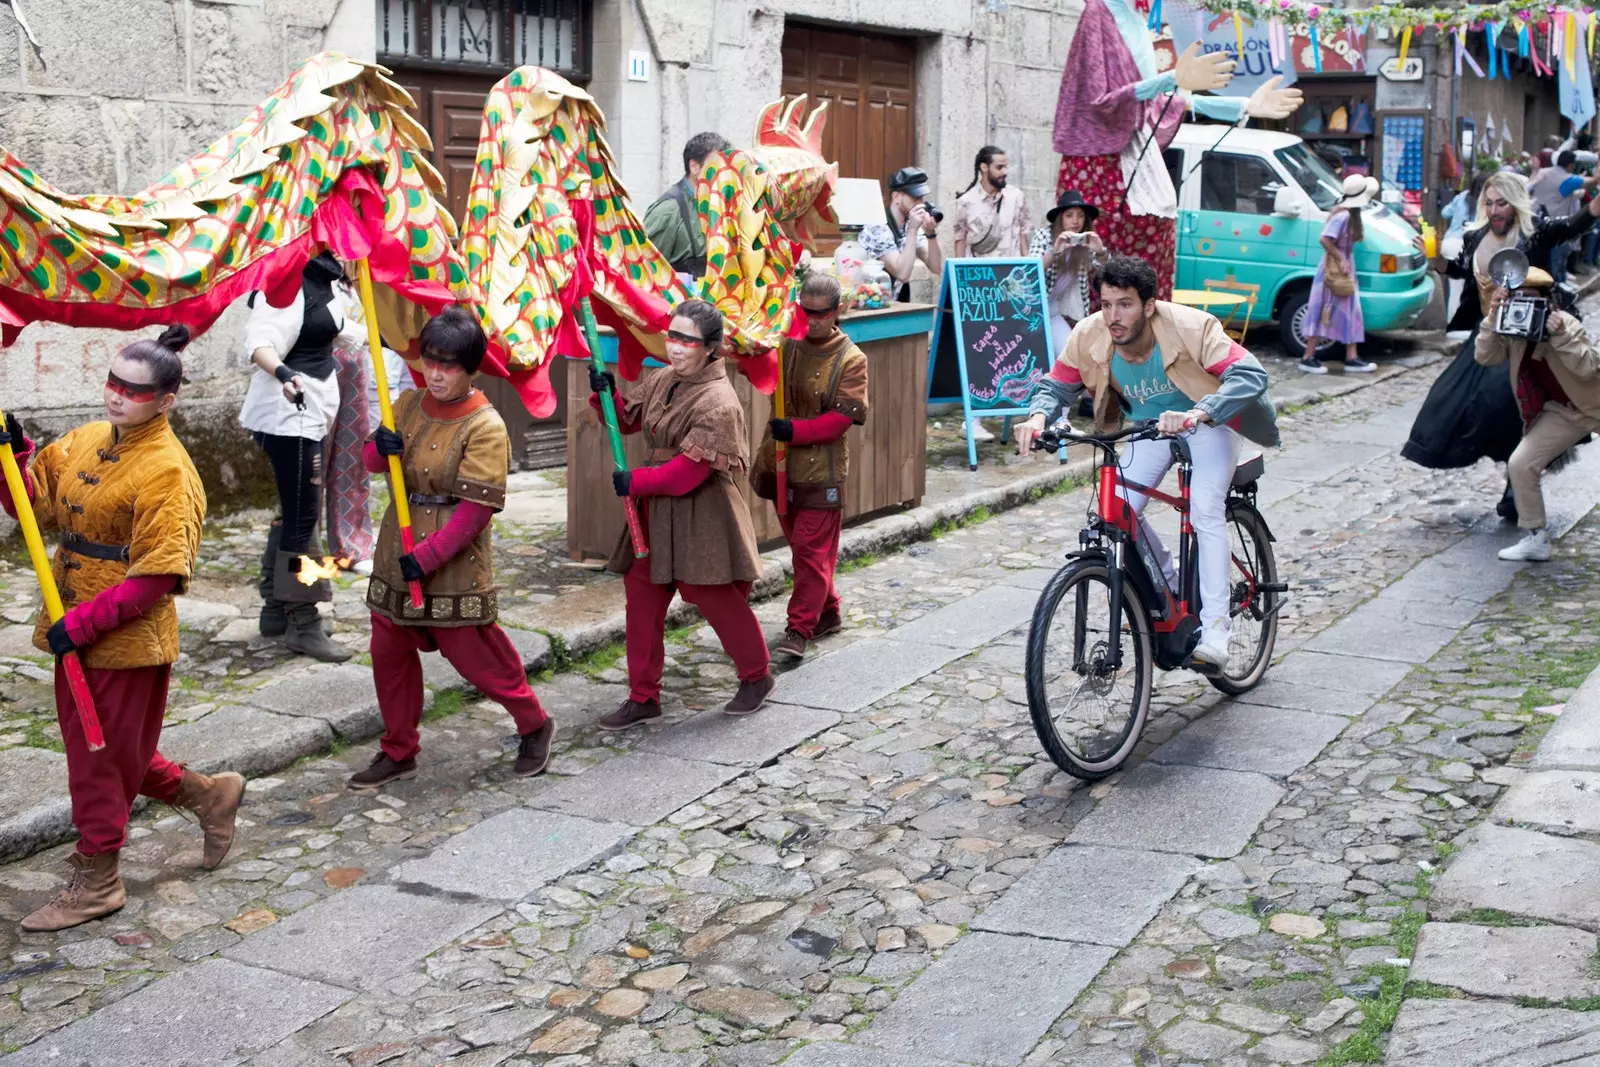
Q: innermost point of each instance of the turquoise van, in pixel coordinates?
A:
(1251, 204)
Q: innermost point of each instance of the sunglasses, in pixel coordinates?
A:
(820, 313)
(687, 340)
(138, 392)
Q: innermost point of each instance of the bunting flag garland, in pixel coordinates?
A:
(1316, 49)
(1302, 16)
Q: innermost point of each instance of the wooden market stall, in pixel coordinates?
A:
(887, 455)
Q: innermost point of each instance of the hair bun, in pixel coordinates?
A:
(176, 337)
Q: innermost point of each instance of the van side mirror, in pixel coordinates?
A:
(1286, 202)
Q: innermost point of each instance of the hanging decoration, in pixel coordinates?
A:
(1301, 16)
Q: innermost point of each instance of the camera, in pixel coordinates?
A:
(1076, 238)
(1522, 316)
(933, 211)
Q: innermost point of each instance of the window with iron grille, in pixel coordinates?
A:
(486, 34)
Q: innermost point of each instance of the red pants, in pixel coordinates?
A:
(813, 535)
(485, 657)
(725, 607)
(131, 703)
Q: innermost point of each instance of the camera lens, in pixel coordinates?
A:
(938, 216)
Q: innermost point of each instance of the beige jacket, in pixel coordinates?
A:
(1572, 359)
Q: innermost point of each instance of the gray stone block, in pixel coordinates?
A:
(1103, 896)
(1565, 800)
(988, 1000)
(246, 740)
(361, 937)
(831, 1054)
(1467, 570)
(1374, 631)
(35, 809)
(1548, 962)
(1348, 674)
(340, 695)
(508, 856)
(1275, 692)
(1573, 742)
(1244, 738)
(1571, 493)
(1189, 810)
(638, 789)
(745, 741)
(863, 673)
(1522, 873)
(1033, 579)
(206, 1015)
(1459, 1033)
(973, 621)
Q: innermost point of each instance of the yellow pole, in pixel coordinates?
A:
(76, 682)
(397, 478)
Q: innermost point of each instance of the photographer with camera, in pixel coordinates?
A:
(1555, 374)
(908, 235)
(1069, 249)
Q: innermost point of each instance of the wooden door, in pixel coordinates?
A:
(450, 107)
(869, 82)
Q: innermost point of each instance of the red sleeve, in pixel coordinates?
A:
(623, 422)
(24, 456)
(374, 463)
(112, 607)
(470, 519)
(678, 477)
(1065, 373)
(822, 430)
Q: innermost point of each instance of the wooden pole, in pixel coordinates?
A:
(608, 408)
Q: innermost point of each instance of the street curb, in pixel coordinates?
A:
(48, 823)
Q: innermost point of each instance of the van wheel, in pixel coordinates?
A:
(1292, 325)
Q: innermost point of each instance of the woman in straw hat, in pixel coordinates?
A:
(1334, 311)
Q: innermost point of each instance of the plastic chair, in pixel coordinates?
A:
(1232, 324)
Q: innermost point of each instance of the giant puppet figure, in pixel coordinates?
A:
(1116, 113)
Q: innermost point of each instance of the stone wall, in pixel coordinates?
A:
(116, 93)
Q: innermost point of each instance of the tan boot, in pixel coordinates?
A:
(216, 801)
(95, 890)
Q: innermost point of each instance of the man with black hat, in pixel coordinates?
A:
(1069, 249)
(906, 237)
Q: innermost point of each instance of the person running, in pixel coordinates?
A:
(129, 507)
(456, 456)
(1334, 309)
(696, 523)
(1164, 361)
(825, 386)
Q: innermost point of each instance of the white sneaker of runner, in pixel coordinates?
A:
(1534, 548)
(980, 432)
(1213, 647)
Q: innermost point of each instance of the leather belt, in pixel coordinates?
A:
(79, 545)
(435, 500)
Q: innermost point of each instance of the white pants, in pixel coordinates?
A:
(1216, 453)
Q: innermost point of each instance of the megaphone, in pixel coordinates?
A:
(1508, 268)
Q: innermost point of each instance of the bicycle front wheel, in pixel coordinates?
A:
(1089, 678)
(1253, 601)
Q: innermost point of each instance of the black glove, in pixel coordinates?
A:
(58, 640)
(602, 381)
(12, 435)
(389, 442)
(410, 569)
(622, 482)
(782, 429)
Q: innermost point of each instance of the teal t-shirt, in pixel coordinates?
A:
(1146, 386)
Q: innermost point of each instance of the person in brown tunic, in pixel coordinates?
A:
(456, 455)
(702, 542)
(825, 393)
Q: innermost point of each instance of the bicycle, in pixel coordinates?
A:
(1089, 696)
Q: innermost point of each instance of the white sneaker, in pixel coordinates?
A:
(1457, 335)
(1359, 366)
(362, 566)
(1312, 367)
(1533, 548)
(1213, 647)
(980, 433)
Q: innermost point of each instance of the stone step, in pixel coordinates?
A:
(1461, 1033)
(1573, 743)
(1546, 962)
(1567, 801)
(1522, 873)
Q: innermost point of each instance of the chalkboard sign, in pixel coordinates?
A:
(991, 340)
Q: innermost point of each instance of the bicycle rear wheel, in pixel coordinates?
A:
(1088, 714)
(1252, 610)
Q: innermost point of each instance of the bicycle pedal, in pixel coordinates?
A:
(1201, 667)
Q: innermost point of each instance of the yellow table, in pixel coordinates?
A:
(1207, 298)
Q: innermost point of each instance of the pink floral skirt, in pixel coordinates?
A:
(1152, 238)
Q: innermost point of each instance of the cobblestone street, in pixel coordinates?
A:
(881, 869)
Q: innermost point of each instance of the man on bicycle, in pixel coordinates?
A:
(1150, 359)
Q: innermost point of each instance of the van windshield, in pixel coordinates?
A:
(1311, 174)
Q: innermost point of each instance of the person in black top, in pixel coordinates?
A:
(1471, 413)
(289, 410)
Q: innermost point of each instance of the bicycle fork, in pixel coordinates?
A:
(1080, 629)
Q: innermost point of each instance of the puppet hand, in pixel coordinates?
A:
(1271, 102)
(1197, 73)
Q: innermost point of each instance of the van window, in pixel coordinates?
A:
(1242, 184)
(1312, 174)
(1173, 158)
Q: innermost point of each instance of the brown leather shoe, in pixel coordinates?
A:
(383, 770)
(791, 644)
(751, 696)
(632, 713)
(95, 891)
(216, 800)
(533, 755)
(829, 623)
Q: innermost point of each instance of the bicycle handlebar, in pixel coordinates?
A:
(1051, 440)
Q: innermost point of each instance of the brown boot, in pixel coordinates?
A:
(216, 801)
(751, 696)
(830, 623)
(95, 890)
